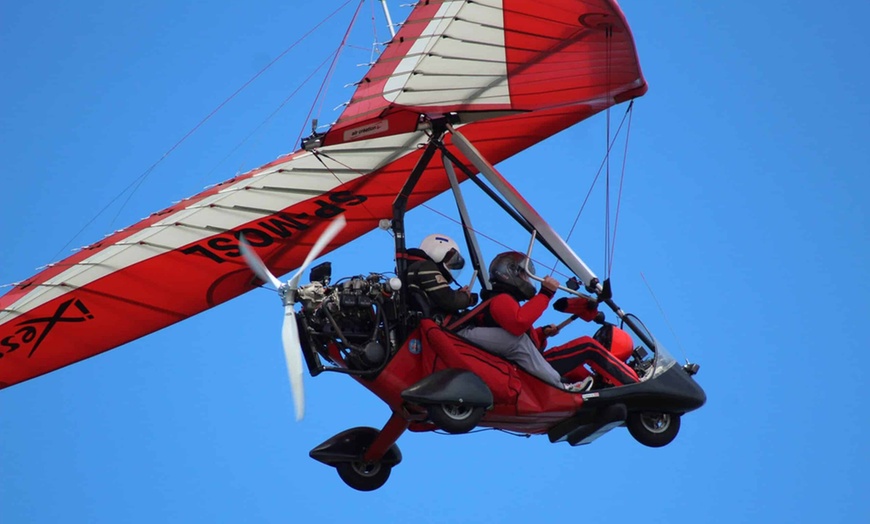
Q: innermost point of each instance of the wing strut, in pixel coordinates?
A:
(559, 247)
(539, 226)
(468, 229)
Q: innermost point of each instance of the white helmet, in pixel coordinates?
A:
(443, 250)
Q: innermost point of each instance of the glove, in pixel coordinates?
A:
(583, 306)
(473, 299)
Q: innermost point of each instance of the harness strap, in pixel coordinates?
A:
(453, 325)
(406, 256)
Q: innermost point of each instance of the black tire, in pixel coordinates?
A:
(363, 477)
(455, 418)
(653, 429)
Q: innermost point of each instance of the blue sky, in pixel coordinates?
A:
(744, 209)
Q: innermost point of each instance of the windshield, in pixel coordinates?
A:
(650, 357)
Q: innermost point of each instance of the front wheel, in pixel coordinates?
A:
(653, 429)
(363, 477)
(455, 418)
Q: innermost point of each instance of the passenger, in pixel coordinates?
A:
(506, 328)
(605, 353)
(570, 359)
(430, 275)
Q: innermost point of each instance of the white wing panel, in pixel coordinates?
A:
(472, 33)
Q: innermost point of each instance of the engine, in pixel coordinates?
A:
(354, 316)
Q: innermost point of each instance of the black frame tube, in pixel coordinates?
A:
(400, 205)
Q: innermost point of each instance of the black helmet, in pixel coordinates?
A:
(507, 274)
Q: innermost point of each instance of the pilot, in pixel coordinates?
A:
(505, 327)
(430, 274)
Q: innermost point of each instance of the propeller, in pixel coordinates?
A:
(287, 291)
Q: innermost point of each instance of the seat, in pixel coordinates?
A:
(419, 302)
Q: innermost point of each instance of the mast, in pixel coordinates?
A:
(389, 18)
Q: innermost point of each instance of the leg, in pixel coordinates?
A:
(577, 374)
(568, 358)
(518, 349)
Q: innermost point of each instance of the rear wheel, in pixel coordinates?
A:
(362, 476)
(455, 418)
(653, 429)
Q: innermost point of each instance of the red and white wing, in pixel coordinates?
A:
(517, 71)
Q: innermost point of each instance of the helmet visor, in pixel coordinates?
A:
(453, 260)
(531, 268)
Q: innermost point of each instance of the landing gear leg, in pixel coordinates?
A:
(386, 438)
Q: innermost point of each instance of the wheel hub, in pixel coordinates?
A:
(366, 469)
(457, 412)
(656, 423)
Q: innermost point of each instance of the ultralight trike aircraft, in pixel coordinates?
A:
(372, 328)
(473, 82)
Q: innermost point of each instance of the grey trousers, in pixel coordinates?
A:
(518, 349)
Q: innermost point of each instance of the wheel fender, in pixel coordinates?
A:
(450, 386)
(350, 445)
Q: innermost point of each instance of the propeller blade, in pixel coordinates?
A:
(257, 265)
(289, 331)
(293, 356)
(325, 238)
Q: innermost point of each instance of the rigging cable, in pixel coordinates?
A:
(608, 33)
(138, 181)
(271, 115)
(319, 154)
(621, 181)
(674, 333)
(325, 84)
(493, 240)
(598, 173)
(604, 162)
(374, 49)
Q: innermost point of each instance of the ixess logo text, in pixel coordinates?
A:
(31, 333)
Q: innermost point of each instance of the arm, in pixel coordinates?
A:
(539, 338)
(516, 319)
(429, 279)
(449, 299)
